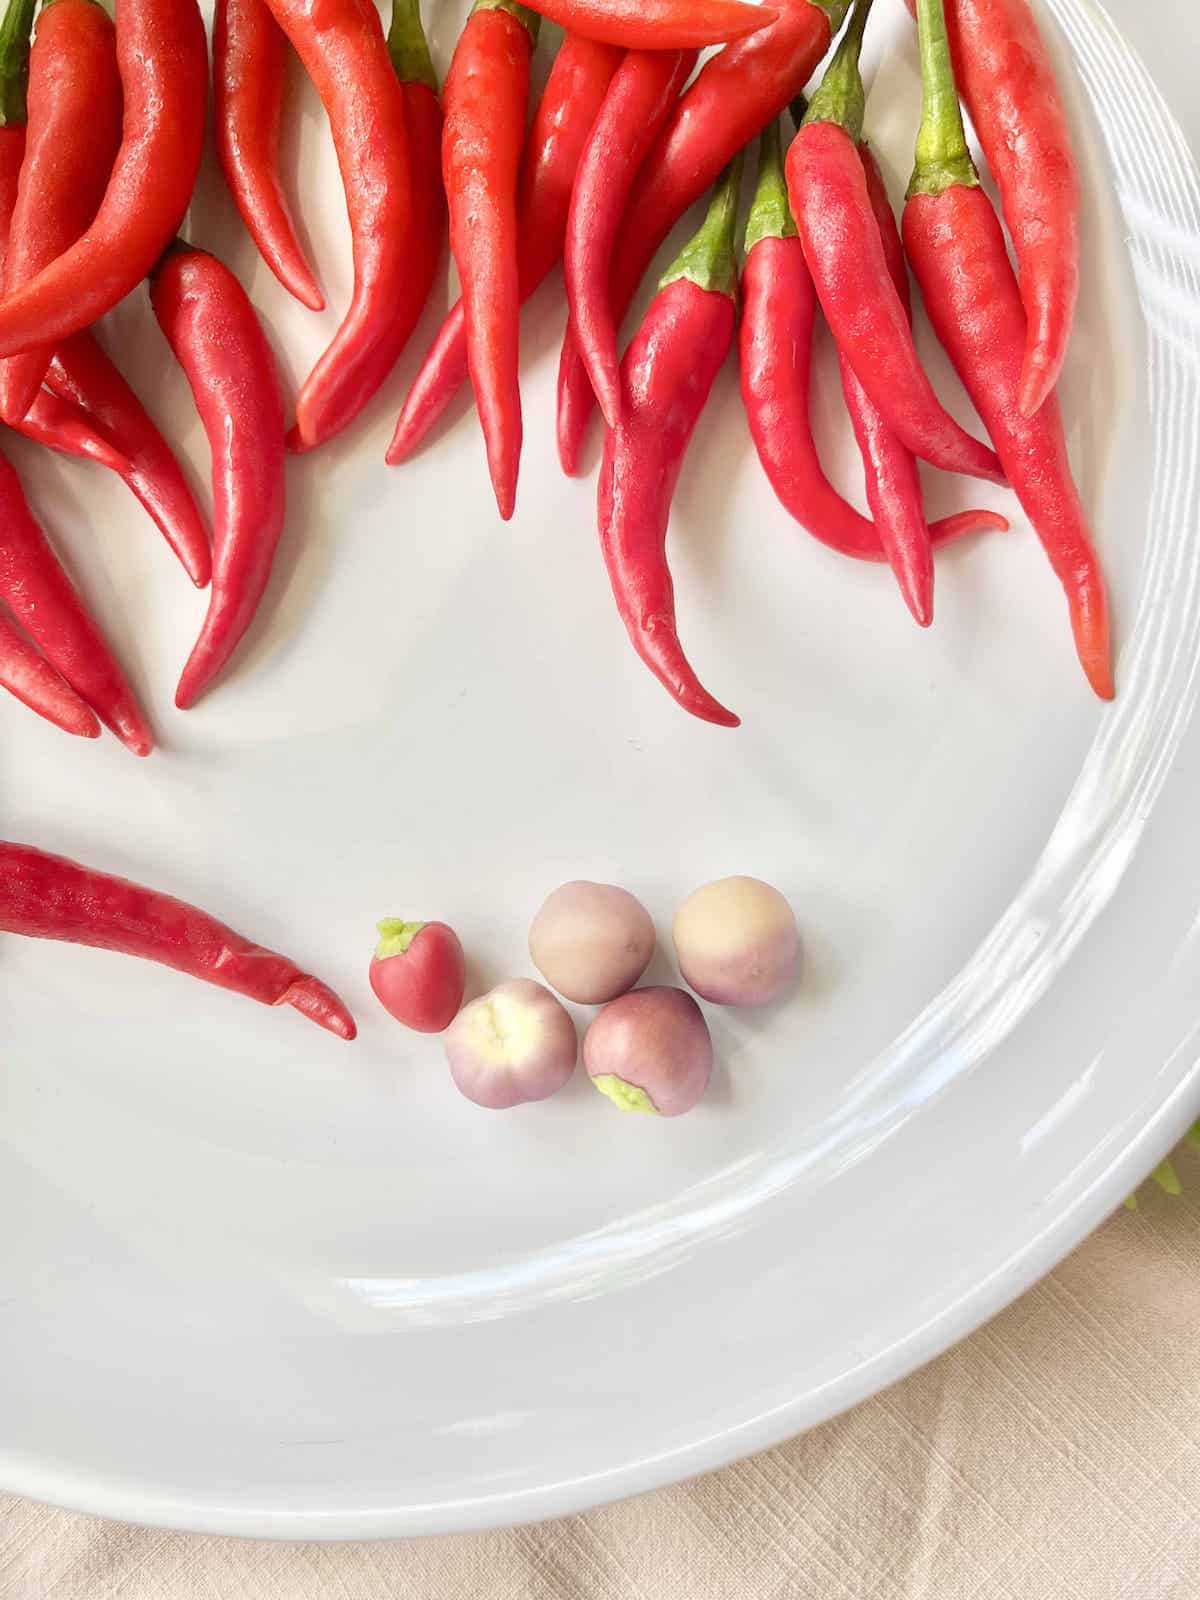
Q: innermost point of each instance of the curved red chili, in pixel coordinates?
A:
(34, 682)
(574, 91)
(779, 307)
(211, 326)
(666, 377)
(46, 604)
(84, 375)
(342, 48)
(658, 24)
(249, 77)
(1006, 77)
(486, 92)
(956, 245)
(737, 92)
(66, 428)
(43, 896)
(640, 97)
(163, 60)
(73, 133)
(827, 189)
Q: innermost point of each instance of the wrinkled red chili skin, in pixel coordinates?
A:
(666, 378)
(35, 684)
(342, 47)
(734, 96)
(1006, 78)
(573, 95)
(71, 140)
(47, 605)
(892, 481)
(486, 92)
(44, 896)
(957, 250)
(83, 374)
(249, 77)
(640, 98)
(827, 189)
(658, 24)
(779, 307)
(217, 339)
(163, 59)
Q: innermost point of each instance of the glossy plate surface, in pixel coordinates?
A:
(260, 1282)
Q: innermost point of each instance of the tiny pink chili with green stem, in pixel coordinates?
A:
(666, 378)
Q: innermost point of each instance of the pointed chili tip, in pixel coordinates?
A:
(298, 444)
(308, 293)
(1100, 676)
(401, 447)
(317, 1001)
(1036, 383)
(703, 705)
(607, 383)
(504, 486)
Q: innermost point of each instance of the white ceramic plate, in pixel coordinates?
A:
(260, 1282)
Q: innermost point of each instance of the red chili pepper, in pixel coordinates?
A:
(573, 95)
(658, 24)
(35, 683)
(639, 100)
(779, 307)
(1006, 77)
(342, 47)
(828, 192)
(486, 92)
(734, 96)
(82, 373)
(163, 59)
(249, 75)
(666, 377)
(211, 326)
(67, 428)
(48, 607)
(72, 137)
(956, 246)
(48, 897)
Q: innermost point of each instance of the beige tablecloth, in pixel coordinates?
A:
(1055, 1454)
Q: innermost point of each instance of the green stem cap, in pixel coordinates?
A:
(841, 98)
(408, 46)
(15, 32)
(943, 159)
(530, 19)
(395, 936)
(770, 215)
(708, 259)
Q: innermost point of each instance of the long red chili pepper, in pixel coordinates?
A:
(640, 98)
(48, 607)
(956, 246)
(65, 427)
(485, 96)
(389, 149)
(73, 133)
(249, 73)
(34, 682)
(666, 377)
(163, 60)
(734, 96)
(44, 896)
(574, 92)
(211, 326)
(83, 374)
(828, 192)
(658, 24)
(775, 354)
(1006, 77)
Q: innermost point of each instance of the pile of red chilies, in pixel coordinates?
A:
(101, 133)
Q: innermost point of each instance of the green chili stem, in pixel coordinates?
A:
(841, 98)
(770, 215)
(709, 259)
(14, 60)
(836, 11)
(531, 20)
(942, 157)
(408, 46)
